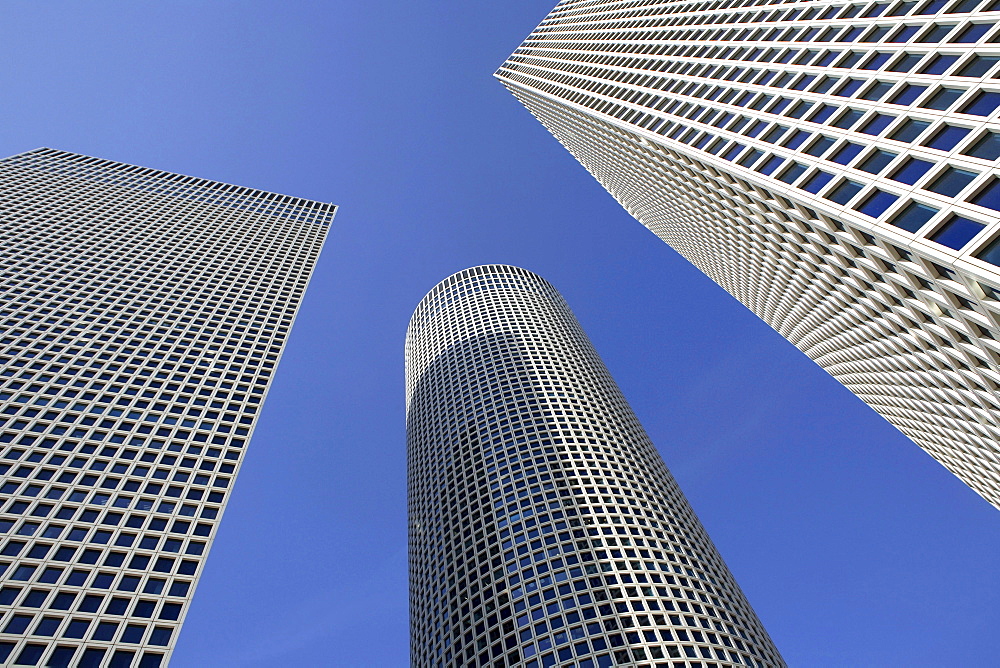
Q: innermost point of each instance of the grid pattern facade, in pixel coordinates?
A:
(833, 165)
(143, 314)
(545, 529)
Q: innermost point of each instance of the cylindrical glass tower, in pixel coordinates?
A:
(545, 529)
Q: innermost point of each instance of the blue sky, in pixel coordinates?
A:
(854, 547)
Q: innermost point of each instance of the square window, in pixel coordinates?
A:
(983, 104)
(847, 152)
(936, 33)
(904, 34)
(957, 232)
(105, 631)
(796, 139)
(18, 624)
(943, 98)
(850, 87)
(972, 33)
(844, 192)
(847, 119)
(991, 253)
(987, 147)
(911, 171)
(133, 633)
(77, 628)
(909, 130)
(816, 182)
(908, 94)
(877, 161)
(820, 146)
(822, 113)
(947, 137)
(877, 203)
(793, 172)
(939, 65)
(989, 196)
(978, 66)
(770, 165)
(876, 91)
(876, 124)
(906, 62)
(160, 636)
(952, 181)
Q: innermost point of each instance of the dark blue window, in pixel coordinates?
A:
(952, 181)
(972, 33)
(792, 173)
(796, 139)
(910, 130)
(991, 253)
(947, 137)
(876, 203)
(957, 232)
(843, 193)
(989, 196)
(987, 148)
(816, 182)
(908, 94)
(943, 98)
(877, 161)
(770, 164)
(911, 171)
(978, 66)
(848, 118)
(983, 104)
(847, 152)
(877, 124)
(913, 216)
(939, 65)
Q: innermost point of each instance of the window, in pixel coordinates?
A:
(987, 147)
(908, 94)
(846, 153)
(913, 216)
(877, 161)
(978, 66)
(847, 119)
(793, 172)
(909, 130)
(816, 182)
(983, 104)
(952, 181)
(972, 33)
(820, 146)
(936, 33)
(943, 98)
(876, 91)
(947, 137)
(991, 253)
(939, 64)
(957, 232)
(906, 62)
(844, 192)
(877, 203)
(989, 196)
(876, 124)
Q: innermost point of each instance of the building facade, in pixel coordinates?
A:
(545, 529)
(143, 314)
(832, 164)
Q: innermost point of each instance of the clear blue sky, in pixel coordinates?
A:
(855, 547)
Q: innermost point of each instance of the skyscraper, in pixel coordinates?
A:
(143, 314)
(544, 527)
(831, 164)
